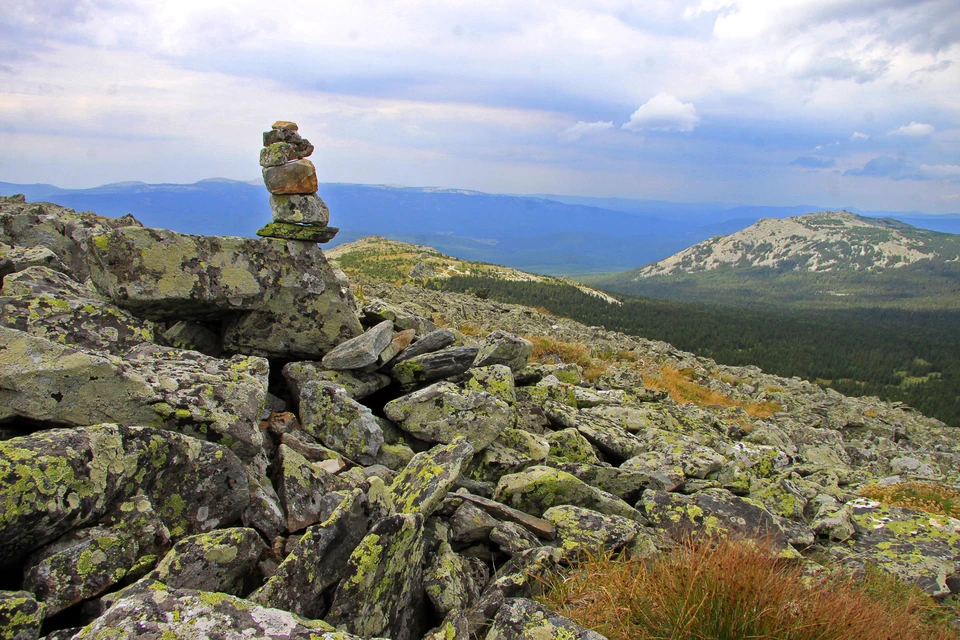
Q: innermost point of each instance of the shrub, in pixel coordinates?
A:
(727, 589)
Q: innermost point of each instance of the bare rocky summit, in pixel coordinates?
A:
(214, 438)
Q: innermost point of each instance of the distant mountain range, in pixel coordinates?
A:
(548, 234)
(825, 259)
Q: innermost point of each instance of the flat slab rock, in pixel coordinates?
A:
(362, 351)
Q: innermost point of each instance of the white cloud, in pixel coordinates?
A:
(951, 196)
(914, 130)
(582, 128)
(859, 136)
(663, 112)
(819, 147)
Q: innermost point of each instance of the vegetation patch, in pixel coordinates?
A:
(922, 496)
(729, 589)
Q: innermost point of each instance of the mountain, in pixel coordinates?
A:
(558, 235)
(826, 259)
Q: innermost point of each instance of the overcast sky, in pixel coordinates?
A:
(832, 102)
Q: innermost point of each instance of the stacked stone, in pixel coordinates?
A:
(291, 179)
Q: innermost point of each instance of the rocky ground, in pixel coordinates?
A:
(214, 438)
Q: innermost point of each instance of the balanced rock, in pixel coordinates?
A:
(292, 178)
(300, 209)
(280, 153)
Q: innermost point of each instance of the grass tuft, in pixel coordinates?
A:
(922, 496)
(681, 386)
(725, 589)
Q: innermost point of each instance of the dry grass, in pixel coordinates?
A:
(923, 496)
(679, 383)
(568, 353)
(724, 589)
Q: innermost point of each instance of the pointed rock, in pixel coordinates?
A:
(424, 483)
(361, 351)
(301, 486)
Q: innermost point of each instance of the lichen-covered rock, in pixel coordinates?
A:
(218, 561)
(569, 445)
(157, 612)
(496, 380)
(20, 615)
(38, 280)
(78, 566)
(715, 513)
(582, 530)
(357, 384)
(21, 258)
(317, 560)
(300, 485)
(423, 484)
(433, 341)
(383, 579)
(282, 152)
(194, 336)
(538, 526)
(626, 484)
(449, 582)
(917, 547)
(58, 480)
(362, 351)
(442, 413)
(68, 319)
(282, 296)
(522, 619)
(343, 424)
(300, 209)
(64, 231)
(501, 347)
(512, 538)
(432, 366)
(538, 488)
(469, 523)
(512, 451)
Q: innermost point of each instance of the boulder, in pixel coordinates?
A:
(522, 619)
(378, 593)
(300, 485)
(317, 560)
(442, 413)
(55, 481)
(584, 531)
(341, 423)
(432, 341)
(469, 524)
(512, 451)
(300, 209)
(362, 351)
(497, 380)
(538, 488)
(432, 366)
(569, 445)
(277, 297)
(160, 613)
(513, 539)
(423, 484)
(20, 615)
(357, 384)
(538, 526)
(449, 581)
(501, 347)
(297, 177)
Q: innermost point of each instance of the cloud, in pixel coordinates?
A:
(859, 136)
(903, 169)
(914, 130)
(951, 196)
(663, 112)
(841, 68)
(582, 128)
(810, 162)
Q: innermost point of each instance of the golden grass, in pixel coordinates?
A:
(922, 496)
(727, 589)
(679, 383)
(568, 353)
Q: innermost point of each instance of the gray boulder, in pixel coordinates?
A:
(343, 424)
(501, 347)
(362, 351)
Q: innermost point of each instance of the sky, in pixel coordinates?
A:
(775, 102)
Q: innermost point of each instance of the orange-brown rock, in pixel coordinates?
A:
(298, 177)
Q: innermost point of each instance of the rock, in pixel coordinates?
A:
(292, 178)
(195, 337)
(569, 445)
(437, 365)
(39, 280)
(522, 619)
(401, 340)
(159, 613)
(284, 125)
(917, 547)
(715, 512)
(497, 380)
(300, 209)
(512, 451)
(300, 485)
(538, 488)
(423, 484)
(470, 524)
(584, 531)
(307, 233)
(433, 341)
(61, 230)
(501, 347)
(20, 615)
(263, 512)
(357, 384)
(220, 561)
(449, 582)
(362, 351)
(282, 298)
(281, 135)
(512, 538)
(378, 593)
(21, 258)
(343, 424)
(317, 560)
(279, 153)
(58, 480)
(442, 413)
(626, 484)
(614, 442)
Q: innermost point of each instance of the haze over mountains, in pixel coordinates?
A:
(545, 234)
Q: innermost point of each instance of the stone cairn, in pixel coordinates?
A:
(291, 179)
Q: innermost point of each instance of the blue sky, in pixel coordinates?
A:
(781, 102)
